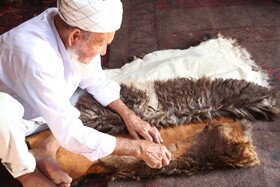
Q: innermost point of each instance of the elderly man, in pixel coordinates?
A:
(42, 62)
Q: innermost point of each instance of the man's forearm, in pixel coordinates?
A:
(155, 155)
(128, 147)
(119, 106)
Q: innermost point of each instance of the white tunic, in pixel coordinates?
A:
(35, 70)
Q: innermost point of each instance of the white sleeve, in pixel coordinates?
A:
(38, 77)
(99, 85)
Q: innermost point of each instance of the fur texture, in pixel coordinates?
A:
(182, 101)
(227, 144)
(189, 102)
(189, 115)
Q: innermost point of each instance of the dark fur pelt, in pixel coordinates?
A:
(184, 100)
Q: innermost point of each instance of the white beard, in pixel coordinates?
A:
(83, 69)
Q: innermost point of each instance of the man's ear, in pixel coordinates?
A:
(74, 36)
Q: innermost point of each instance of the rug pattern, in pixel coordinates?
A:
(150, 25)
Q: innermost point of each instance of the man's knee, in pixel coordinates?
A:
(10, 108)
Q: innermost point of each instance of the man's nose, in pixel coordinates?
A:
(103, 50)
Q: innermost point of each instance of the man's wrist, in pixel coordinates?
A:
(120, 108)
(128, 147)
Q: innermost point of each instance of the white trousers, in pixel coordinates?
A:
(14, 153)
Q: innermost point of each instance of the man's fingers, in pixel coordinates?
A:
(159, 165)
(156, 155)
(152, 135)
(64, 185)
(156, 135)
(166, 159)
(165, 162)
(156, 138)
(168, 154)
(134, 135)
(147, 136)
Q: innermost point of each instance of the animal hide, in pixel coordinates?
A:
(204, 123)
(217, 143)
(224, 143)
(182, 101)
(195, 147)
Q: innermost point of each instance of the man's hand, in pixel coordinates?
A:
(136, 126)
(154, 155)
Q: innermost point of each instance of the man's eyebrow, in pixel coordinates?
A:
(98, 39)
(103, 42)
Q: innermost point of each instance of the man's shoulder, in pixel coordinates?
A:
(34, 36)
(37, 29)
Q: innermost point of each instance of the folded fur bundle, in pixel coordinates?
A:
(182, 101)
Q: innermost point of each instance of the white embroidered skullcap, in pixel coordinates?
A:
(92, 15)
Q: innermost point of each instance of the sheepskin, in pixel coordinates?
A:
(184, 101)
(204, 123)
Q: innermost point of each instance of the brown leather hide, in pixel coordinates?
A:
(188, 144)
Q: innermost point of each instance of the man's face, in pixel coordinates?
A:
(93, 45)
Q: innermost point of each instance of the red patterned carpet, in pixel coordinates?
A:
(150, 25)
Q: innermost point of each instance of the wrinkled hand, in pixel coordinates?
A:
(134, 124)
(137, 126)
(154, 155)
